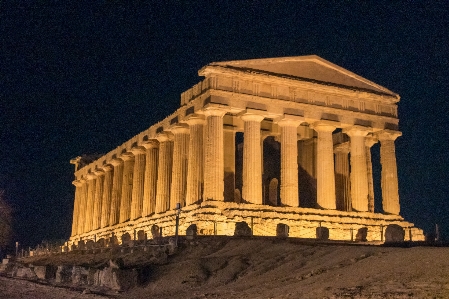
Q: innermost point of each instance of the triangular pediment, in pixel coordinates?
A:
(311, 67)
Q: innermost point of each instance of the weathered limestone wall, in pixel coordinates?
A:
(190, 158)
(219, 218)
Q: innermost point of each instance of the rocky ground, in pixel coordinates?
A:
(217, 267)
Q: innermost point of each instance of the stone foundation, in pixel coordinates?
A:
(219, 218)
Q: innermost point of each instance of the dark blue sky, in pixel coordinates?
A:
(78, 79)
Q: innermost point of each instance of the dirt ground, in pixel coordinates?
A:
(271, 268)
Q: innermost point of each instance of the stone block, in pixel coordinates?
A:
(45, 272)
(322, 233)
(242, 229)
(394, 233)
(116, 279)
(64, 274)
(25, 272)
(79, 275)
(191, 232)
(155, 232)
(282, 230)
(141, 235)
(361, 235)
(126, 238)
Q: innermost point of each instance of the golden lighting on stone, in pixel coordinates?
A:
(304, 164)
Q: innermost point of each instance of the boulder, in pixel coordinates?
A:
(394, 233)
(64, 274)
(242, 229)
(322, 233)
(191, 232)
(45, 272)
(282, 230)
(362, 234)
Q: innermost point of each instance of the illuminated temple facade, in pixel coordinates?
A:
(265, 141)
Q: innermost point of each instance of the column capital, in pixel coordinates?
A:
(371, 140)
(194, 119)
(127, 156)
(91, 176)
(99, 172)
(251, 117)
(388, 135)
(290, 121)
(211, 110)
(152, 143)
(107, 167)
(78, 183)
(179, 129)
(164, 136)
(138, 150)
(116, 161)
(324, 126)
(357, 130)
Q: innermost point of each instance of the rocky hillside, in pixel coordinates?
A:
(226, 267)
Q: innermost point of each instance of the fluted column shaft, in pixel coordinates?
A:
(369, 142)
(107, 195)
(359, 172)
(390, 193)
(83, 206)
(149, 195)
(117, 182)
(214, 157)
(96, 219)
(138, 183)
(196, 161)
(325, 167)
(342, 181)
(127, 187)
(164, 173)
(289, 163)
(179, 168)
(91, 184)
(252, 168)
(76, 207)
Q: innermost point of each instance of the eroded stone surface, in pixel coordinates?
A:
(192, 157)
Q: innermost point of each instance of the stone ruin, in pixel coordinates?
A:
(270, 142)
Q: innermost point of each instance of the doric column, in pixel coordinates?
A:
(107, 195)
(213, 154)
(369, 142)
(179, 168)
(359, 172)
(252, 168)
(164, 173)
(325, 166)
(342, 181)
(289, 162)
(90, 202)
(390, 193)
(195, 166)
(151, 160)
(96, 219)
(117, 182)
(127, 187)
(229, 163)
(83, 206)
(138, 182)
(76, 206)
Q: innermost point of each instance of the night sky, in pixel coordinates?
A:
(78, 79)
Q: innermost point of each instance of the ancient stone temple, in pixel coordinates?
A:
(279, 143)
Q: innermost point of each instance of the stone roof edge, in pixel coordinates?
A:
(315, 58)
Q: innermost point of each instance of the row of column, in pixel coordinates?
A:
(187, 166)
